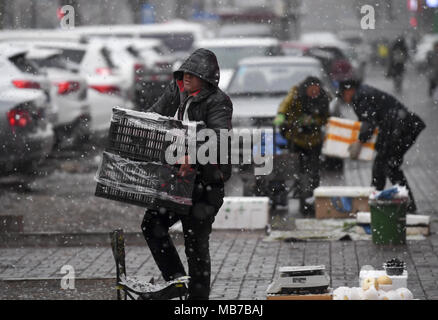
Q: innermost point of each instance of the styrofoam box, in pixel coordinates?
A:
(343, 191)
(340, 134)
(243, 213)
(397, 281)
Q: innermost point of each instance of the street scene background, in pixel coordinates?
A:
(57, 220)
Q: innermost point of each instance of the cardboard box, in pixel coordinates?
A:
(341, 202)
(243, 213)
(340, 134)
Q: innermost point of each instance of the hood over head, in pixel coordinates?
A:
(201, 63)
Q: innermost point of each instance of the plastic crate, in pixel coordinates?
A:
(141, 136)
(148, 184)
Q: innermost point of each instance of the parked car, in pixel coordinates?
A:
(177, 35)
(26, 134)
(18, 72)
(68, 94)
(339, 61)
(229, 51)
(257, 88)
(147, 66)
(156, 72)
(105, 85)
(127, 65)
(23, 35)
(259, 84)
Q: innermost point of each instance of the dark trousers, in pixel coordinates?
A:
(387, 165)
(309, 169)
(197, 226)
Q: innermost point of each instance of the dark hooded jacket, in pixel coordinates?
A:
(396, 125)
(210, 105)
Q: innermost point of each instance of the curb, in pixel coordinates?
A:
(15, 240)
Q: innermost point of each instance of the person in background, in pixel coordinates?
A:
(398, 56)
(432, 63)
(301, 116)
(398, 130)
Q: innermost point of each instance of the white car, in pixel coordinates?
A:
(229, 51)
(259, 84)
(177, 35)
(68, 94)
(106, 88)
(126, 64)
(17, 72)
(153, 65)
(145, 65)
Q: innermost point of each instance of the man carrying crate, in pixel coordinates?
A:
(193, 95)
(398, 130)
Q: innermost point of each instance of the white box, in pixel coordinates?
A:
(243, 213)
(397, 281)
(340, 134)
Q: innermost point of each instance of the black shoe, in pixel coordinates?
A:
(306, 208)
(177, 288)
(309, 209)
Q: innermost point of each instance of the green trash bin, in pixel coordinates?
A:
(388, 221)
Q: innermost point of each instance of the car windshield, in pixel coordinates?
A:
(270, 78)
(229, 57)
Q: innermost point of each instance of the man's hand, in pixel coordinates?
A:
(185, 165)
(279, 119)
(354, 149)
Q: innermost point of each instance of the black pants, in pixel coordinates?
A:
(309, 169)
(391, 148)
(432, 86)
(387, 165)
(197, 226)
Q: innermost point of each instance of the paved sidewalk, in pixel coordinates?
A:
(243, 265)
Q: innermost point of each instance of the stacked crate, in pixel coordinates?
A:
(134, 168)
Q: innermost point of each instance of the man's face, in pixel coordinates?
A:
(313, 91)
(348, 95)
(191, 83)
